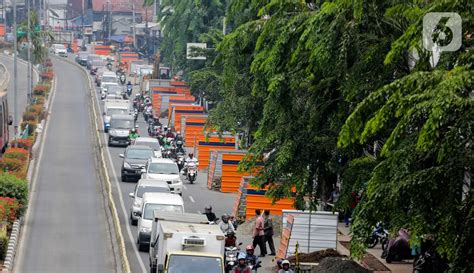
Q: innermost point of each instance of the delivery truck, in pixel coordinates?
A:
(185, 242)
(115, 107)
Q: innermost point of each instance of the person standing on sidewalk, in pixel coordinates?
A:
(258, 233)
(268, 232)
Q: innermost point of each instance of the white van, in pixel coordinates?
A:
(166, 202)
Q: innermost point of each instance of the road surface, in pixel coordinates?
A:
(196, 197)
(66, 227)
(22, 99)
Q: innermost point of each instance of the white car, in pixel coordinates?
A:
(59, 49)
(144, 185)
(150, 142)
(152, 201)
(164, 169)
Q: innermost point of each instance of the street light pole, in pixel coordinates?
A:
(29, 73)
(110, 19)
(82, 22)
(134, 27)
(15, 72)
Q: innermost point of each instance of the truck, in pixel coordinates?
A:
(185, 242)
(115, 107)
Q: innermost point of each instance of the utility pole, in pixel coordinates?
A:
(15, 72)
(134, 26)
(110, 19)
(82, 24)
(29, 73)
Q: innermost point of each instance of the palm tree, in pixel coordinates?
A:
(39, 37)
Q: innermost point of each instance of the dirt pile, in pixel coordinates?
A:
(314, 257)
(337, 265)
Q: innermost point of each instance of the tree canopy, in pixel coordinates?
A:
(343, 92)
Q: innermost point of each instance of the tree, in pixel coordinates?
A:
(38, 36)
(422, 177)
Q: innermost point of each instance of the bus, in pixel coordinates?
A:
(5, 121)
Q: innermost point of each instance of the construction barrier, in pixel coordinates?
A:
(102, 50)
(214, 142)
(178, 83)
(285, 238)
(252, 198)
(160, 102)
(74, 46)
(175, 110)
(192, 127)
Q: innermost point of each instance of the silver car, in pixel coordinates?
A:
(150, 142)
(144, 185)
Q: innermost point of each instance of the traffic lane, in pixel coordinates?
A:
(22, 87)
(67, 226)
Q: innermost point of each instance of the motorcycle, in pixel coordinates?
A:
(135, 115)
(231, 251)
(180, 161)
(379, 234)
(254, 267)
(179, 146)
(122, 79)
(129, 90)
(192, 173)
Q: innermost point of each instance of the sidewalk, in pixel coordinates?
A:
(268, 262)
(395, 267)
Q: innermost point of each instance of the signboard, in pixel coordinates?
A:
(88, 31)
(189, 51)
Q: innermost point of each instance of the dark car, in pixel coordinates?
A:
(81, 58)
(134, 160)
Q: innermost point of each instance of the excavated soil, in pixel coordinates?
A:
(315, 257)
(338, 265)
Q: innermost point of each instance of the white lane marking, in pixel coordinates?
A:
(119, 189)
(24, 232)
(191, 198)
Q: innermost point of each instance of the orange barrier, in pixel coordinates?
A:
(226, 142)
(175, 111)
(254, 198)
(285, 238)
(2, 30)
(211, 171)
(102, 50)
(231, 178)
(177, 83)
(74, 46)
(163, 90)
(192, 127)
(183, 90)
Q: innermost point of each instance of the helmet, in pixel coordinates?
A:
(285, 262)
(249, 248)
(279, 262)
(191, 154)
(209, 208)
(134, 130)
(225, 216)
(241, 256)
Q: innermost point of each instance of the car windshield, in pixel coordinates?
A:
(59, 46)
(195, 264)
(114, 89)
(142, 189)
(154, 145)
(149, 208)
(116, 111)
(163, 168)
(121, 124)
(109, 79)
(139, 153)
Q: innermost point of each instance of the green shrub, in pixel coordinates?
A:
(14, 187)
(32, 125)
(29, 116)
(11, 165)
(3, 242)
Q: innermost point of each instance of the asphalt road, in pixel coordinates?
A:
(22, 99)
(196, 197)
(66, 228)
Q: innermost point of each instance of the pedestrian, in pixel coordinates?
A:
(352, 205)
(268, 232)
(258, 233)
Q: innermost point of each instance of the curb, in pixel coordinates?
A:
(32, 166)
(119, 243)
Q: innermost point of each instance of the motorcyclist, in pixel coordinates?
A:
(242, 266)
(225, 225)
(129, 88)
(190, 161)
(178, 139)
(285, 267)
(170, 134)
(211, 216)
(251, 258)
(133, 134)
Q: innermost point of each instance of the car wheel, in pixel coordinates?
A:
(133, 222)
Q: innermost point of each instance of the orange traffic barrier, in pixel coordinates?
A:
(254, 198)
(192, 126)
(74, 46)
(163, 90)
(175, 110)
(285, 238)
(214, 142)
(178, 83)
(102, 50)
